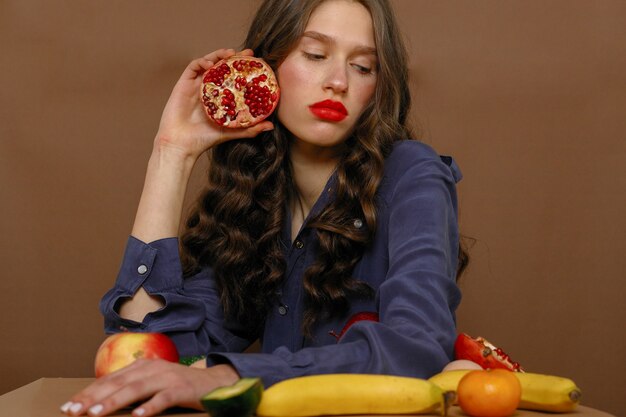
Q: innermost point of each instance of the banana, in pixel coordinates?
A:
(548, 392)
(342, 394)
(449, 380)
(539, 392)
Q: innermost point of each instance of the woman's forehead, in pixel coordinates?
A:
(343, 20)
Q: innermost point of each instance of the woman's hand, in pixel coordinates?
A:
(185, 132)
(164, 384)
(184, 126)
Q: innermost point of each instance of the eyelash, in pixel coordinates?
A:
(360, 69)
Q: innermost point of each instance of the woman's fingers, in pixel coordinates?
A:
(163, 383)
(139, 389)
(246, 52)
(163, 400)
(185, 386)
(166, 387)
(199, 66)
(184, 122)
(227, 134)
(117, 389)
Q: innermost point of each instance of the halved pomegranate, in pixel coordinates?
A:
(239, 91)
(482, 352)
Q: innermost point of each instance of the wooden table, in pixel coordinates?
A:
(42, 398)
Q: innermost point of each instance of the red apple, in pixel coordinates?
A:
(122, 349)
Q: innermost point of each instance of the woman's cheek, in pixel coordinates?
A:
(367, 92)
(296, 94)
(292, 76)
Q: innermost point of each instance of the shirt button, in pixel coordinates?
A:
(282, 310)
(142, 269)
(299, 244)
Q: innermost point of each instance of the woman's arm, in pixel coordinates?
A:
(418, 232)
(150, 277)
(184, 134)
(192, 315)
(158, 215)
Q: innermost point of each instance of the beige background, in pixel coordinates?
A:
(529, 96)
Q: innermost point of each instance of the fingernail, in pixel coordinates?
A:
(76, 407)
(96, 409)
(66, 406)
(139, 412)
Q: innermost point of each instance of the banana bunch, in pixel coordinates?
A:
(342, 394)
(539, 392)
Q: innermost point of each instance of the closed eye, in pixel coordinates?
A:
(313, 57)
(363, 70)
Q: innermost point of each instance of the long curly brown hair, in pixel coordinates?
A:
(236, 225)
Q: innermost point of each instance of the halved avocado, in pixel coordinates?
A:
(238, 400)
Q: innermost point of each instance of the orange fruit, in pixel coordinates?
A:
(489, 393)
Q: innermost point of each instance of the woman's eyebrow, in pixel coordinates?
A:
(361, 49)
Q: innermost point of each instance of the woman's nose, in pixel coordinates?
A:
(336, 78)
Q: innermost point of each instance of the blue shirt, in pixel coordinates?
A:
(411, 264)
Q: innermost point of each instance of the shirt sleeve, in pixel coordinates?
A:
(192, 315)
(416, 301)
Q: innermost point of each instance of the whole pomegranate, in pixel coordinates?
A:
(239, 91)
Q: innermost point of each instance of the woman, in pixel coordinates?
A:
(307, 222)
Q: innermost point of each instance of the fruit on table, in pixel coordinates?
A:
(448, 381)
(539, 392)
(238, 400)
(361, 316)
(190, 360)
(344, 394)
(122, 349)
(239, 91)
(489, 393)
(548, 393)
(482, 352)
(461, 364)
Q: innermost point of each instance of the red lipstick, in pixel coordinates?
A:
(329, 110)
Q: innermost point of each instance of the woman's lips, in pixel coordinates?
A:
(330, 110)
